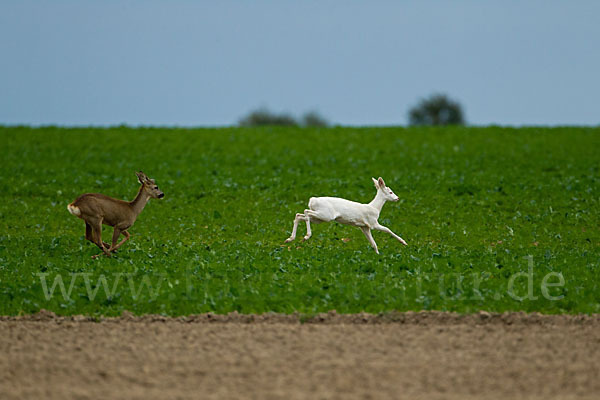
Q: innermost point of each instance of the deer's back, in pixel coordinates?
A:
(97, 205)
(344, 211)
(334, 202)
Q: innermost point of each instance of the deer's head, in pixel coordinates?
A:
(388, 194)
(149, 185)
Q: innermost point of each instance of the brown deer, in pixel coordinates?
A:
(97, 209)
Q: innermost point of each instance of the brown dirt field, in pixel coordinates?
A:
(427, 355)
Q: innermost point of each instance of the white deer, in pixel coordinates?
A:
(365, 216)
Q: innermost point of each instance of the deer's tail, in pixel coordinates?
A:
(74, 210)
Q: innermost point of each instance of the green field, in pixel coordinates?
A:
(475, 203)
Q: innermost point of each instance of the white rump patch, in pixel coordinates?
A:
(74, 210)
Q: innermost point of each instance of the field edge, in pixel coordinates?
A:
(332, 317)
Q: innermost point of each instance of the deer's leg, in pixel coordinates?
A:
(367, 231)
(307, 219)
(315, 217)
(388, 230)
(97, 236)
(115, 238)
(89, 235)
(299, 217)
(116, 234)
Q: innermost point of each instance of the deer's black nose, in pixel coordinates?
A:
(160, 196)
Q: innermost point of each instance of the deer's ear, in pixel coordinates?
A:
(141, 176)
(381, 182)
(375, 183)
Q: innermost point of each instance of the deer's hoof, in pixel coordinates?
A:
(289, 240)
(305, 238)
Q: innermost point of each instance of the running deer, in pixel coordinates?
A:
(325, 209)
(97, 209)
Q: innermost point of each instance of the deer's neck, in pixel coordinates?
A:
(378, 201)
(138, 204)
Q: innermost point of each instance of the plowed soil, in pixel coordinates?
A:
(403, 356)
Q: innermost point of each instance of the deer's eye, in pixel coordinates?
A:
(155, 187)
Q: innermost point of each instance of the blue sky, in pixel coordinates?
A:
(192, 63)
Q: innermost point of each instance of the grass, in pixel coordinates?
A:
(475, 202)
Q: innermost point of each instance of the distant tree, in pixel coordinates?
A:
(314, 119)
(437, 109)
(262, 117)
